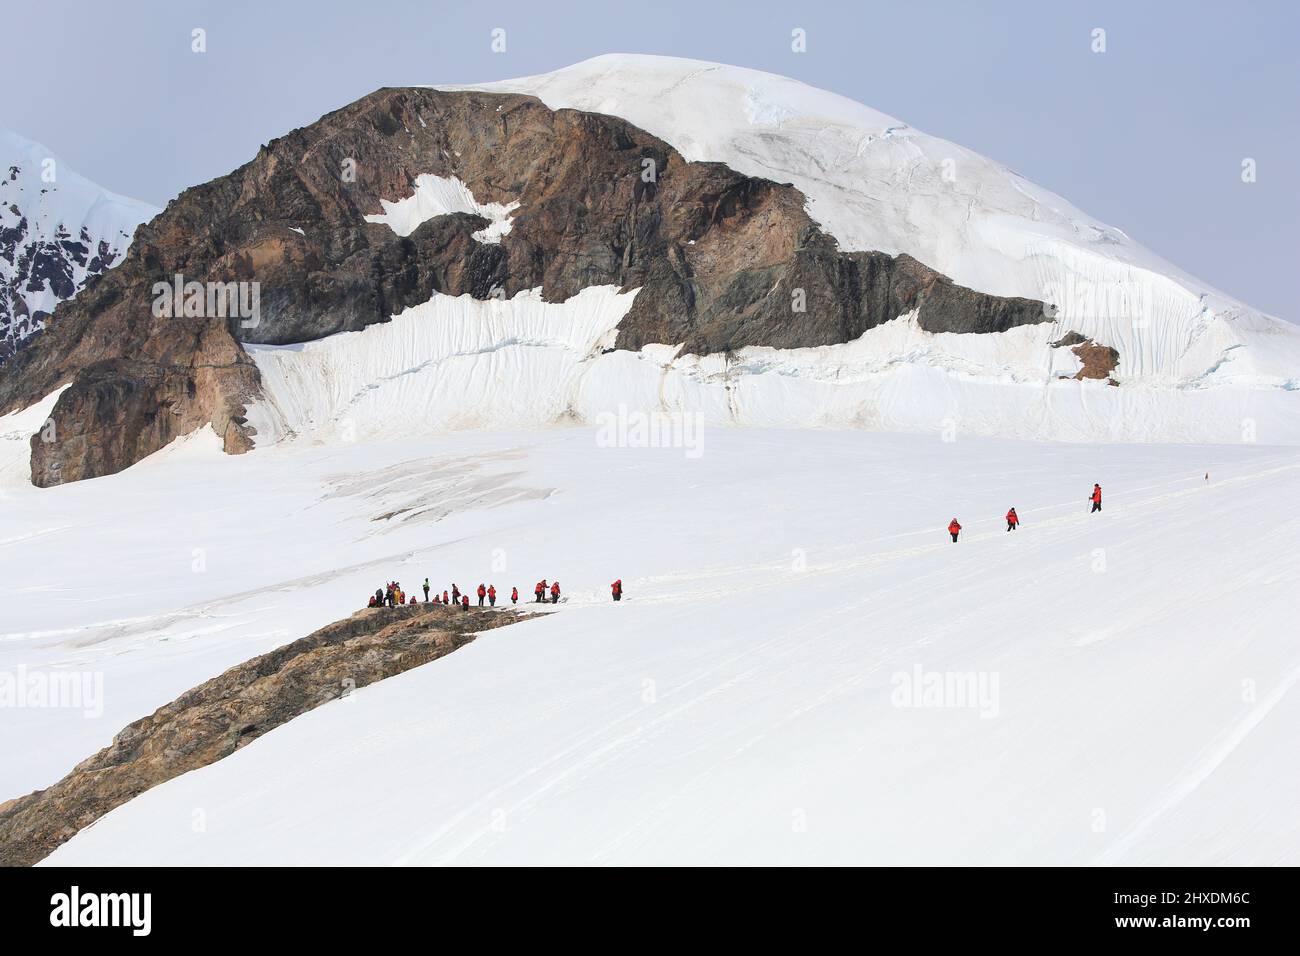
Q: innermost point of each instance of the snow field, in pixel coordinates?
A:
(739, 705)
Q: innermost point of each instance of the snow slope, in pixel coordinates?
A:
(805, 668)
(57, 229)
(452, 362)
(874, 182)
(743, 704)
(458, 363)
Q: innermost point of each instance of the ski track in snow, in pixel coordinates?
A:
(1216, 752)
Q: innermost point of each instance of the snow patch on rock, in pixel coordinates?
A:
(440, 196)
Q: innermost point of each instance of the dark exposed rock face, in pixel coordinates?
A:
(722, 260)
(218, 717)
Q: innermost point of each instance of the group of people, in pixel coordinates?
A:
(1013, 519)
(391, 594)
(540, 591)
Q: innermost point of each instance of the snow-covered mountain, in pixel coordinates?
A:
(1193, 364)
(655, 234)
(57, 231)
(458, 371)
(876, 183)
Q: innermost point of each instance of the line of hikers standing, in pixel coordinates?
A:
(392, 594)
(1013, 519)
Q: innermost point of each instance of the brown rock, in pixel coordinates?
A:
(218, 717)
(720, 258)
(1098, 360)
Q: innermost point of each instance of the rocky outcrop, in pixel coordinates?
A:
(218, 717)
(1098, 361)
(722, 260)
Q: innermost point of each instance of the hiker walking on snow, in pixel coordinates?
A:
(954, 529)
(1095, 498)
(555, 592)
(539, 592)
(616, 590)
(492, 595)
(1013, 520)
(482, 593)
(514, 595)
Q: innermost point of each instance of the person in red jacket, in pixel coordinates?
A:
(539, 592)
(555, 592)
(482, 593)
(492, 595)
(455, 594)
(445, 599)
(1013, 520)
(954, 529)
(616, 590)
(464, 602)
(514, 595)
(1095, 498)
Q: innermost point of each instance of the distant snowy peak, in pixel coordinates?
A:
(877, 184)
(57, 231)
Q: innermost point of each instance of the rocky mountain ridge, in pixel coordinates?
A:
(722, 261)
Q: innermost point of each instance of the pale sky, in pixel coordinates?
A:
(1148, 136)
